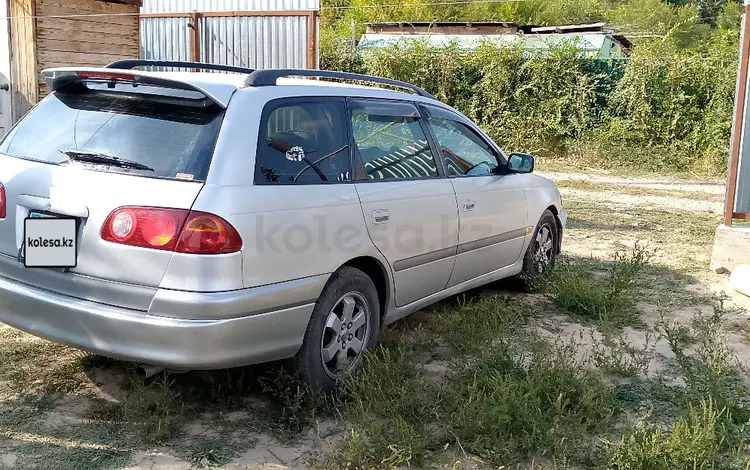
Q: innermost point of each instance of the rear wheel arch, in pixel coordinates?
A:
(377, 272)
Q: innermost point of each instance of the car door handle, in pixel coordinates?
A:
(381, 216)
(469, 205)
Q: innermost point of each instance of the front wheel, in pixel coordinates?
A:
(542, 251)
(345, 322)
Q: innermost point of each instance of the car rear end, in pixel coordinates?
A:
(125, 155)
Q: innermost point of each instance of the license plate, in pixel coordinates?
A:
(49, 242)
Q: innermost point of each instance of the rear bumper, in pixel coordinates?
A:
(251, 330)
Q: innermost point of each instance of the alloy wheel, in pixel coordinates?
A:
(543, 248)
(345, 335)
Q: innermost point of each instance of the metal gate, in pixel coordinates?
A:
(254, 34)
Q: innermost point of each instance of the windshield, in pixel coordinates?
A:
(172, 132)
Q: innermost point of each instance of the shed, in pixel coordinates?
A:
(442, 27)
(596, 40)
(243, 33)
(52, 33)
(595, 46)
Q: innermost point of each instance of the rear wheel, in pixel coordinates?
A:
(345, 322)
(542, 251)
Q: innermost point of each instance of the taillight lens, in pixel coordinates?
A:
(3, 202)
(208, 234)
(177, 230)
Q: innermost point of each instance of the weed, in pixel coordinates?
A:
(296, 404)
(696, 441)
(609, 299)
(504, 411)
(709, 369)
(614, 355)
(153, 410)
(472, 327)
(353, 453)
(211, 452)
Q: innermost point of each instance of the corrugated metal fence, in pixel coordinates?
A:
(243, 33)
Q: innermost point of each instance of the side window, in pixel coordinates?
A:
(303, 142)
(390, 142)
(465, 153)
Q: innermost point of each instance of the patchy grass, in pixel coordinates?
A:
(33, 365)
(151, 410)
(712, 408)
(296, 405)
(637, 190)
(608, 298)
(211, 452)
(708, 366)
(511, 396)
(473, 326)
(506, 411)
(44, 442)
(616, 356)
(669, 229)
(698, 440)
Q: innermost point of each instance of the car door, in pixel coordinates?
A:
(409, 206)
(492, 205)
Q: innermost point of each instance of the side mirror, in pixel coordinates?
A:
(520, 163)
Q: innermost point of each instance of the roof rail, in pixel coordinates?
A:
(133, 63)
(268, 77)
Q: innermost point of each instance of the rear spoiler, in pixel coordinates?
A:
(57, 78)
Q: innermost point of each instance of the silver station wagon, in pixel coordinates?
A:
(202, 220)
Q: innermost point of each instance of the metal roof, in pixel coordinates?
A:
(508, 24)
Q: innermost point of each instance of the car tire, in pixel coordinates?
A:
(542, 251)
(337, 337)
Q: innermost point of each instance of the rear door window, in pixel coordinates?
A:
(303, 141)
(172, 132)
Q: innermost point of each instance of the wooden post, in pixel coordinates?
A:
(739, 125)
(195, 37)
(312, 45)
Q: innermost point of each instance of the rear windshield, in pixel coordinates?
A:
(171, 131)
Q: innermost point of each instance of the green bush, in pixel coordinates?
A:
(675, 106)
(667, 108)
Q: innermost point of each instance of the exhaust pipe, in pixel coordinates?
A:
(145, 371)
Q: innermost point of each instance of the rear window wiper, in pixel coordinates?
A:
(98, 158)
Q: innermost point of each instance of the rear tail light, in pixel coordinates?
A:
(3, 202)
(177, 230)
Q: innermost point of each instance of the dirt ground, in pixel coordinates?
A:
(63, 410)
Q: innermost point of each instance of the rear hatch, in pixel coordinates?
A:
(57, 161)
